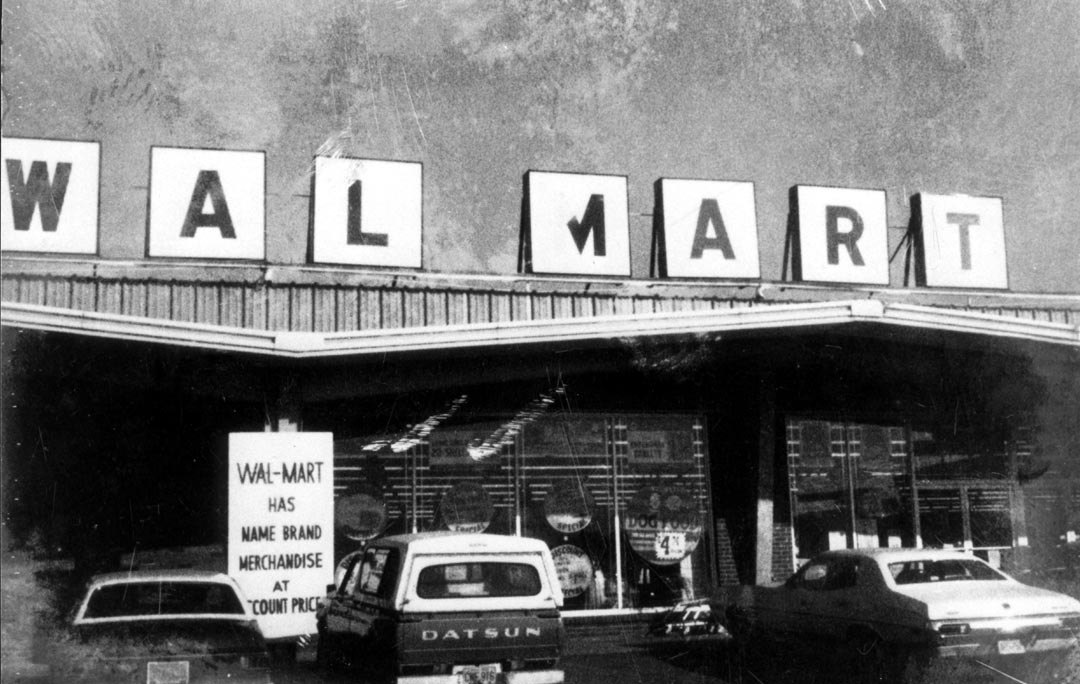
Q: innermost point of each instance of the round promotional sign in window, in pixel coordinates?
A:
(466, 507)
(662, 524)
(360, 516)
(575, 569)
(568, 506)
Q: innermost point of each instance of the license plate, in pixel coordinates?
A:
(1010, 647)
(478, 674)
(171, 672)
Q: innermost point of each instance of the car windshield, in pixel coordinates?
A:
(128, 599)
(945, 570)
(477, 580)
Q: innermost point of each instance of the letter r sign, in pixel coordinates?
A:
(841, 235)
(961, 241)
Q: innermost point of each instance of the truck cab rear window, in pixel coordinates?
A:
(478, 580)
(375, 575)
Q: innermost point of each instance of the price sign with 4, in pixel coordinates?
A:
(670, 546)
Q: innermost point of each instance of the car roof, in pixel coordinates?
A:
(461, 542)
(895, 555)
(161, 575)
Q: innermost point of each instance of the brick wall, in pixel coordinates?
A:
(783, 556)
(727, 574)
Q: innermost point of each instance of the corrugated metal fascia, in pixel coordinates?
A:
(302, 298)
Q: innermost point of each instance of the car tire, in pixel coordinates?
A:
(875, 662)
(868, 657)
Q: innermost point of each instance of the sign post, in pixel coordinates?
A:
(281, 525)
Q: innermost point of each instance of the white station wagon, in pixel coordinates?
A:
(169, 627)
(899, 602)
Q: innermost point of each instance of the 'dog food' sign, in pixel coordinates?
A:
(662, 524)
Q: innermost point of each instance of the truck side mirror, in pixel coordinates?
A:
(330, 588)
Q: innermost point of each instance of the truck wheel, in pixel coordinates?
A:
(327, 656)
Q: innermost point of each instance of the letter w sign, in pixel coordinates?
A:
(575, 224)
(50, 201)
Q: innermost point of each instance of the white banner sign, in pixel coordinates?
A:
(207, 204)
(281, 525)
(962, 241)
(50, 201)
(577, 224)
(843, 235)
(709, 229)
(368, 212)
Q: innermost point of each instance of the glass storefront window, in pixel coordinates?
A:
(941, 517)
(622, 500)
(863, 485)
(847, 487)
(990, 511)
(977, 516)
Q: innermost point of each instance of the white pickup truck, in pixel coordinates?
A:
(447, 608)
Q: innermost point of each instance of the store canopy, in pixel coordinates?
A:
(311, 312)
(293, 344)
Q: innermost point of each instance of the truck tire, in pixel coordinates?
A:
(327, 653)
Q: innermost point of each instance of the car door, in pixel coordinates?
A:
(371, 607)
(795, 610)
(839, 604)
(342, 600)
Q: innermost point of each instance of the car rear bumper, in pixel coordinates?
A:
(517, 677)
(1007, 645)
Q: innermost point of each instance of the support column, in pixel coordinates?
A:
(766, 476)
(285, 410)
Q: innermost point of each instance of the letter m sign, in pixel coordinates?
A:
(575, 223)
(50, 196)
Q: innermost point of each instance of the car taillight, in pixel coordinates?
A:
(951, 628)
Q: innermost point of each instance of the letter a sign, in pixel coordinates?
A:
(705, 229)
(50, 196)
(207, 204)
(575, 224)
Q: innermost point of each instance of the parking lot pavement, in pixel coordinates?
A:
(647, 667)
(712, 664)
(633, 667)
